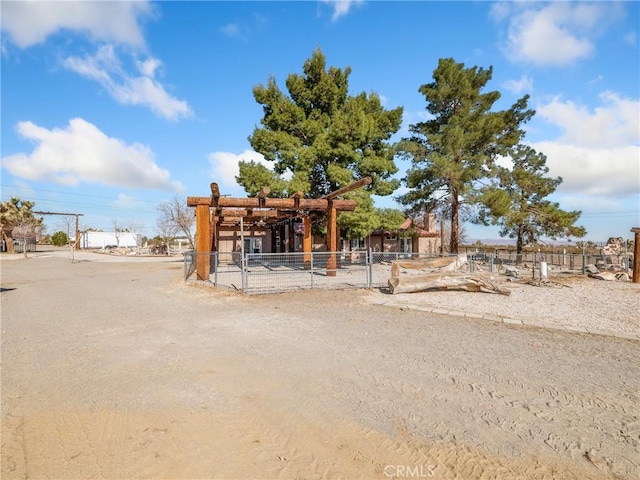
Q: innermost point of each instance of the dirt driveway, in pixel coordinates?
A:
(120, 370)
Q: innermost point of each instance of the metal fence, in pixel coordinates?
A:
(279, 272)
(557, 261)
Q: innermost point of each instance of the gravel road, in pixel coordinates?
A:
(121, 370)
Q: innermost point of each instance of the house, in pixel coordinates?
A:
(280, 237)
(286, 236)
(410, 237)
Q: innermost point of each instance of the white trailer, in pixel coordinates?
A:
(109, 239)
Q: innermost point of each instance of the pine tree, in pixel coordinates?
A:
(320, 138)
(457, 147)
(516, 201)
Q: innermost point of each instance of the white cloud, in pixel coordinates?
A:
(613, 124)
(30, 23)
(224, 166)
(591, 204)
(631, 38)
(599, 150)
(524, 85)
(342, 7)
(231, 30)
(83, 153)
(139, 89)
(593, 171)
(558, 33)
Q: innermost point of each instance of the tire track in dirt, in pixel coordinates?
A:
(501, 413)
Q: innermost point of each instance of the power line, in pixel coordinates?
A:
(60, 192)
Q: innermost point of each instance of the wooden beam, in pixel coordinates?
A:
(247, 213)
(348, 188)
(215, 191)
(195, 201)
(264, 191)
(279, 203)
(215, 194)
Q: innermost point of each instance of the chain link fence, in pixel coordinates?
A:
(557, 262)
(279, 272)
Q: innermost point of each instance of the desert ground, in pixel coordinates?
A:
(116, 368)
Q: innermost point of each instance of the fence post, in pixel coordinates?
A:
(311, 267)
(215, 272)
(370, 270)
(243, 266)
(635, 276)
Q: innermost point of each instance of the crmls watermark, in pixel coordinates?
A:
(408, 471)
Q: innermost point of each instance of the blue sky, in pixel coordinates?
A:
(109, 108)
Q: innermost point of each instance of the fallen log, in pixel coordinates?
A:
(439, 282)
(441, 264)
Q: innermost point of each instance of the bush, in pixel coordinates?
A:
(59, 239)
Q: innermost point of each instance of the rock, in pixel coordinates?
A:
(511, 272)
(591, 268)
(608, 276)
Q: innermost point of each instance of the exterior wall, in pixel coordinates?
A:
(383, 243)
(430, 245)
(103, 239)
(229, 239)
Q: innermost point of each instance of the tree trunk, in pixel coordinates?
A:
(519, 242)
(455, 205)
(443, 282)
(8, 243)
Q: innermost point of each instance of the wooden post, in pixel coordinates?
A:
(307, 243)
(203, 242)
(332, 239)
(77, 234)
(636, 255)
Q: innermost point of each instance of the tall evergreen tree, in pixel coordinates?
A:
(320, 138)
(516, 201)
(457, 146)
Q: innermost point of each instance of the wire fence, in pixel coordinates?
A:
(257, 273)
(556, 261)
(278, 272)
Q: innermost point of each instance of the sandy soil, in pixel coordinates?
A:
(120, 370)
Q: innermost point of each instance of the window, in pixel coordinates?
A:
(357, 243)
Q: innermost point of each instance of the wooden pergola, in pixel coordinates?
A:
(217, 210)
